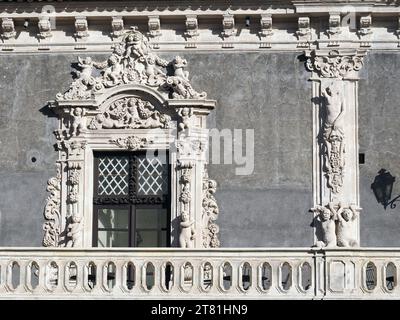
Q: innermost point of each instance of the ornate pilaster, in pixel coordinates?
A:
(335, 148)
(52, 211)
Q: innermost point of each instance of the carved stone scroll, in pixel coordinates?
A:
(52, 211)
(131, 62)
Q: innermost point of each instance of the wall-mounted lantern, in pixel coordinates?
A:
(382, 188)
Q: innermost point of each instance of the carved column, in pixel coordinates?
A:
(335, 146)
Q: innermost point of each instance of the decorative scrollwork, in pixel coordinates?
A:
(334, 65)
(52, 211)
(132, 113)
(131, 62)
(210, 213)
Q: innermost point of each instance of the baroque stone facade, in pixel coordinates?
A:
(140, 86)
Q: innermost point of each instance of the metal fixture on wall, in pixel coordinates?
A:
(382, 188)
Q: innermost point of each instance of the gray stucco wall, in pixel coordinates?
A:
(379, 138)
(266, 92)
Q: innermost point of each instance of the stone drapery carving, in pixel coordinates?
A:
(131, 62)
(333, 136)
(132, 113)
(210, 213)
(52, 211)
(334, 65)
(132, 143)
(335, 224)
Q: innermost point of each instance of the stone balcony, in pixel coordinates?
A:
(245, 273)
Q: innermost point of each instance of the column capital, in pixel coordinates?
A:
(339, 64)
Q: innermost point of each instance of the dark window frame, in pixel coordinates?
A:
(132, 200)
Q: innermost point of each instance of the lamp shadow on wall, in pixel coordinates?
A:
(382, 188)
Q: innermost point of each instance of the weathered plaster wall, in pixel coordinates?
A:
(267, 92)
(379, 137)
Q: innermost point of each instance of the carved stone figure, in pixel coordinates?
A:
(85, 75)
(186, 236)
(131, 113)
(74, 233)
(325, 222)
(180, 83)
(113, 71)
(333, 136)
(77, 121)
(345, 226)
(210, 213)
(186, 114)
(131, 62)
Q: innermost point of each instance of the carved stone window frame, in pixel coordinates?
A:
(133, 105)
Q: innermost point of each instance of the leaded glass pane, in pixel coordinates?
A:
(113, 175)
(152, 176)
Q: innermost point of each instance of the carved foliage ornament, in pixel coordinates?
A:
(132, 113)
(131, 62)
(334, 65)
(132, 143)
(210, 213)
(52, 211)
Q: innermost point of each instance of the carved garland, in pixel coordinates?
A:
(132, 143)
(210, 213)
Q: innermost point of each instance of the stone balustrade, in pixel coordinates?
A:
(295, 273)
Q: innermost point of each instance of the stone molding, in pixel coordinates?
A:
(202, 26)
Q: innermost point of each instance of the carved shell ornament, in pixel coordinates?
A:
(131, 62)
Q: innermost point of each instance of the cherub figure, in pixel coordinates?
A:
(114, 69)
(85, 75)
(77, 123)
(345, 226)
(186, 237)
(178, 64)
(185, 113)
(74, 231)
(326, 219)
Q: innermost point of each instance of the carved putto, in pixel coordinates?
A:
(335, 225)
(210, 213)
(186, 237)
(131, 62)
(132, 113)
(52, 211)
(334, 65)
(333, 136)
